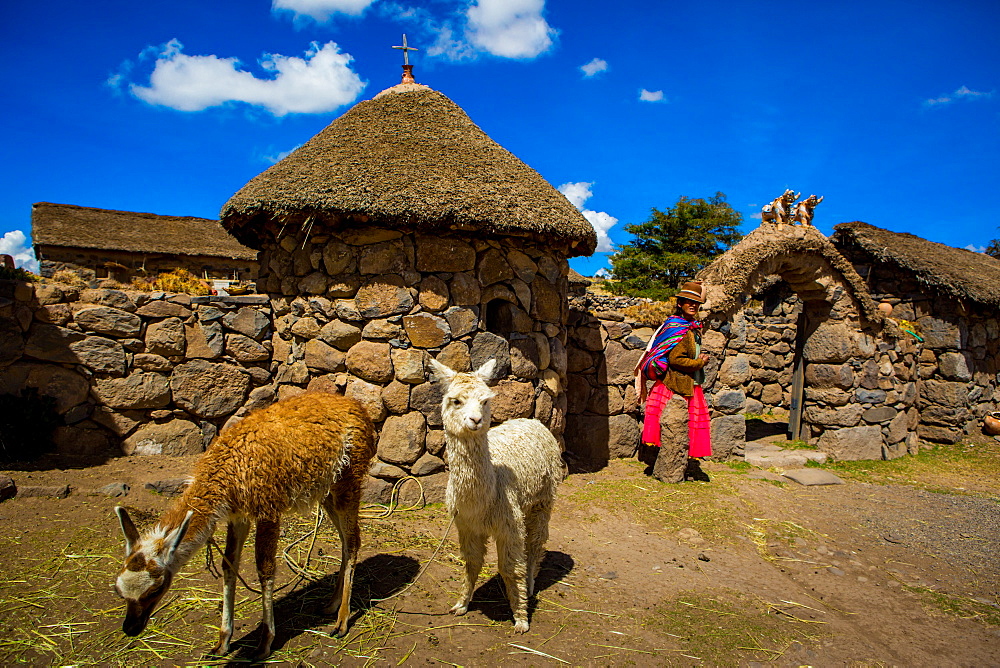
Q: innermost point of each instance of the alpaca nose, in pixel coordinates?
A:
(476, 422)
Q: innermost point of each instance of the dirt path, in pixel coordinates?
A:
(736, 571)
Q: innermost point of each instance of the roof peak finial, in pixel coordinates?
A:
(407, 68)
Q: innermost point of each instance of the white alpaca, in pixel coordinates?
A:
(502, 484)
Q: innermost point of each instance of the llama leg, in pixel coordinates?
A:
(236, 536)
(473, 547)
(537, 530)
(513, 570)
(266, 549)
(346, 521)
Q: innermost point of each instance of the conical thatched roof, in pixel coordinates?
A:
(409, 158)
(801, 255)
(106, 229)
(952, 271)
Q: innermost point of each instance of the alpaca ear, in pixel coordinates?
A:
(485, 372)
(440, 372)
(178, 535)
(128, 528)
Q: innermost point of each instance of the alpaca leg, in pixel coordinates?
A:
(266, 549)
(346, 520)
(236, 536)
(473, 547)
(513, 570)
(537, 530)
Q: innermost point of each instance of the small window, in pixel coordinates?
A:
(500, 317)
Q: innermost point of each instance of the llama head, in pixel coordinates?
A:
(466, 403)
(150, 564)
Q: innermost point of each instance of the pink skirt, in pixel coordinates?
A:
(699, 423)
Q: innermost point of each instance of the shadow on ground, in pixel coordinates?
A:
(375, 578)
(490, 597)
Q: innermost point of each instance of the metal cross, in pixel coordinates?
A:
(406, 49)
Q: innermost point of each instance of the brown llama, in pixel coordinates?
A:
(309, 449)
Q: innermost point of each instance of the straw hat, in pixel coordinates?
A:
(693, 291)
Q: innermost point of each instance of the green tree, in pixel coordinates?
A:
(993, 250)
(673, 245)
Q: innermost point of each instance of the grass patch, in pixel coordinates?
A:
(739, 465)
(713, 508)
(969, 467)
(58, 608)
(958, 606)
(728, 628)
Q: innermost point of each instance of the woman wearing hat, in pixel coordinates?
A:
(673, 361)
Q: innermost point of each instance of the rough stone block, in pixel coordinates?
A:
(879, 414)
(207, 389)
(176, 437)
(138, 390)
(401, 440)
(954, 366)
(729, 401)
(381, 297)
(444, 254)
(852, 443)
(813, 477)
(371, 361)
(426, 330)
(729, 433)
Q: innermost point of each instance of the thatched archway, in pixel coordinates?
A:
(808, 347)
(801, 256)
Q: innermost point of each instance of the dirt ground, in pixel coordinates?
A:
(897, 567)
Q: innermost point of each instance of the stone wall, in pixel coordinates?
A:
(860, 385)
(133, 372)
(90, 264)
(603, 412)
(958, 363)
(362, 310)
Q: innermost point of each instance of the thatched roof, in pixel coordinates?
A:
(409, 158)
(947, 270)
(70, 226)
(799, 254)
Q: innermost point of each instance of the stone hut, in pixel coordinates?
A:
(102, 243)
(950, 297)
(403, 230)
(792, 324)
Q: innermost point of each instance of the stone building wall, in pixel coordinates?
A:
(364, 309)
(860, 386)
(90, 263)
(133, 372)
(358, 314)
(958, 363)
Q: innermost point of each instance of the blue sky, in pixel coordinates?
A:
(889, 109)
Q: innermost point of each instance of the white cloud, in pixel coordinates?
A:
(321, 10)
(274, 158)
(757, 215)
(503, 28)
(602, 273)
(963, 93)
(651, 95)
(509, 28)
(595, 66)
(975, 249)
(318, 83)
(577, 194)
(16, 244)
